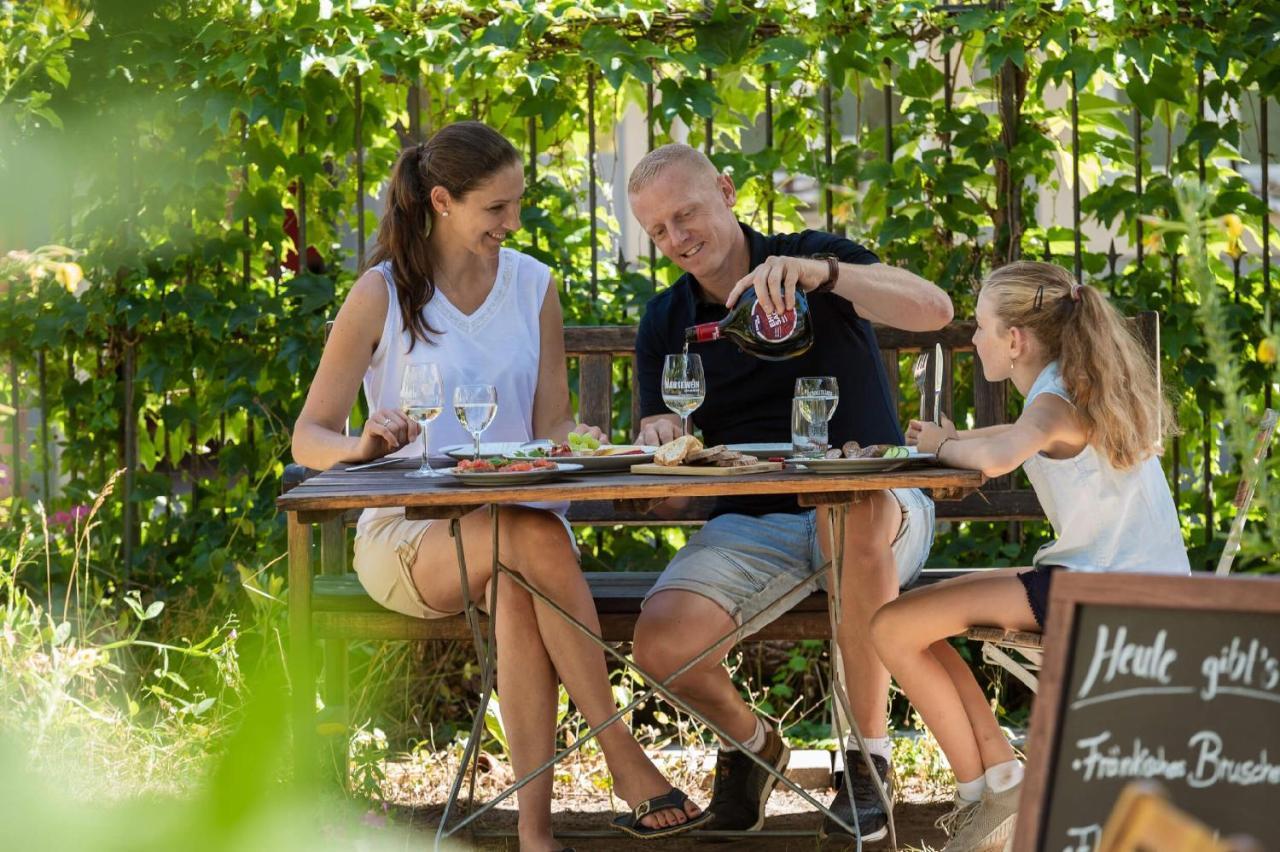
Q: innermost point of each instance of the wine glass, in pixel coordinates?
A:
(422, 400)
(821, 395)
(475, 407)
(683, 386)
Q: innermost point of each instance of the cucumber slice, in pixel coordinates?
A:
(897, 453)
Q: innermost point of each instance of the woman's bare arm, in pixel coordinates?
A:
(318, 441)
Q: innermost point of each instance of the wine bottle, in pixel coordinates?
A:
(773, 337)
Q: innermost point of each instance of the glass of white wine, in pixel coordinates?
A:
(475, 406)
(684, 386)
(821, 395)
(422, 400)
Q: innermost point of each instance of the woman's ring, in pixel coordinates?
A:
(386, 421)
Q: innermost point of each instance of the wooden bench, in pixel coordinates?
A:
(337, 610)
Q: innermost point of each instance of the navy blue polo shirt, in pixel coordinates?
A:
(748, 399)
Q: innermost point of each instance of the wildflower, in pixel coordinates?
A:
(68, 274)
(1235, 228)
(1267, 351)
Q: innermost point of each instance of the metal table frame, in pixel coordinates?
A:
(834, 501)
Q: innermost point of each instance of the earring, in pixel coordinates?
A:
(444, 212)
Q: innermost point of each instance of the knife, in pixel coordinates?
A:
(937, 384)
(379, 463)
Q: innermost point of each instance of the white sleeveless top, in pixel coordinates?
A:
(499, 344)
(1105, 519)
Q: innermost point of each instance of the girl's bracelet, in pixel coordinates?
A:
(938, 452)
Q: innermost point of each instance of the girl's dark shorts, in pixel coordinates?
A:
(1036, 583)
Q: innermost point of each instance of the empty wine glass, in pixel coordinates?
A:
(683, 386)
(475, 407)
(821, 395)
(422, 400)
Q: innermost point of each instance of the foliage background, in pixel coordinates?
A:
(167, 139)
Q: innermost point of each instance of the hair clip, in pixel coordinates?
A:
(1075, 292)
(1036, 305)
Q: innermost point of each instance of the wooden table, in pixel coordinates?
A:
(336, 491)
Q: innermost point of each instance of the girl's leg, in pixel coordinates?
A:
(904, 633)
(535, 544)
(992, 743)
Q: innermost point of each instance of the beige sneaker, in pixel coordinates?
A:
(989, 826)
(956, 818)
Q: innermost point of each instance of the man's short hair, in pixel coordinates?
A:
(657, 160)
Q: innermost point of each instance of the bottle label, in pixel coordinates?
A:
(707, 332)
(773, 328)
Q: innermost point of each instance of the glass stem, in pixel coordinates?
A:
(684, 424)
(476, 435)
(425, 464)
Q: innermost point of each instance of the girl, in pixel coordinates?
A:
(1087, 438)
(441, 288)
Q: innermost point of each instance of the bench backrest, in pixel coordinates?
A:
(597, 348)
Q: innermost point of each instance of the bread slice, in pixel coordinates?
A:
(709, 454)
(674, 452)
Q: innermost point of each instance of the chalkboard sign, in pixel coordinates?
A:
(1173, 679)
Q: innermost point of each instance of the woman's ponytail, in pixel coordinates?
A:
(458, 158)
(402, 239)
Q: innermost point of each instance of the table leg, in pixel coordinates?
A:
(836, 518)
(487, 653)
(660, 687)
(301, 667)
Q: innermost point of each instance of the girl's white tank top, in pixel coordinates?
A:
(1105, 519)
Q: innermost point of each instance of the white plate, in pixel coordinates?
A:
(605, 463)
(764, 451)
(487, 450)
(524, 477)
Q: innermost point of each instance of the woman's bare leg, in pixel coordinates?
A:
(905, 633)
(535, 544)
(528, 680)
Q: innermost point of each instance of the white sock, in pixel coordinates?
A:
(755, 742)
(882, 746)
(969, 792)
(1004, 776)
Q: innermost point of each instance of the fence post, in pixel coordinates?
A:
(648, 120)
(1266, 218)
(1075, 170)
(591, 183)
(768, 146)
(708, 127)
(359, 142)
(1137, 177)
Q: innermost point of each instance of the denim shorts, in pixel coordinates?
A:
(745, 563)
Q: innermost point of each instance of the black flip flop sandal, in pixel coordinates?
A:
(674, 799)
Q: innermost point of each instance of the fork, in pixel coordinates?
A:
(920, 372)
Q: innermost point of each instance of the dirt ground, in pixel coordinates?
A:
(583, 811)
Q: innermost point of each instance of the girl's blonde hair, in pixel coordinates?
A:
(1103, 362)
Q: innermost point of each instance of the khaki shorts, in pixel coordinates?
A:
(385, 550)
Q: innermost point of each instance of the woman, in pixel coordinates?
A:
(441, 288)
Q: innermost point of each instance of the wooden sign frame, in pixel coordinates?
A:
(1070, 591)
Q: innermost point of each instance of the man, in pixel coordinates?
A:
(755, 548)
